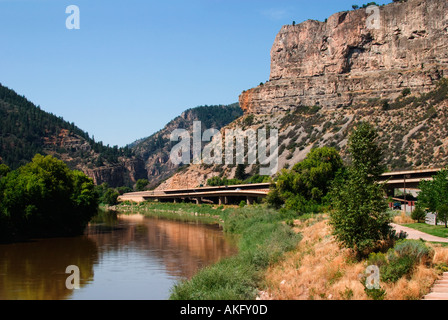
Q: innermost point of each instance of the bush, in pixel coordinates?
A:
(141, 184)
(378, 259)
(110, 197)
(418, 214)
(304, 187)
(402, 259)
(405, 92)
(375, 294)
(397, 268)
(416, 249)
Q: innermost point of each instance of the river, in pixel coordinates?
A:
(119, 258)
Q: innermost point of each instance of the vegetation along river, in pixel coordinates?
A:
(119, 257)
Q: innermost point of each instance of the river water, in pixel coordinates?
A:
(119, 258)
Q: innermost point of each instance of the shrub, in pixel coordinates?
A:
(416, 249)
(110, 197)
(375, 294)
(306, 184)
(403, 257)
(44, 198)
(397, 268)
(418, 214)
(406, 92)
(378, 259)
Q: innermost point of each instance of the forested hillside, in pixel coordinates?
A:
(25, 130)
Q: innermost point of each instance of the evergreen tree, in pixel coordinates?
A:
(359, 218)
(240, 172)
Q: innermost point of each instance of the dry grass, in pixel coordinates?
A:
(319, 269)
(403, 218)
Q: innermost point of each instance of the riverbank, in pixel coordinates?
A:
(320, 270)
(281, 258)
(263, 239)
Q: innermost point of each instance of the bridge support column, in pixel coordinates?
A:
(223, 200)
(198, 200)
(250, 201)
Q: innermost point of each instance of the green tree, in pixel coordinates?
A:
(46, 198)
(4, 170)
(110, 197)
(359, 218)
(240, 172)
(418, 214)
(141, 184)
(307, 182)
(434, 196)
(365, 153)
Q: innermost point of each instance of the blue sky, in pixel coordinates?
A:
(134, 65)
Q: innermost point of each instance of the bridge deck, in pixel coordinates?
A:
(409, 179)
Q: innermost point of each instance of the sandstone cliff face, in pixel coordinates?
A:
(341, 62)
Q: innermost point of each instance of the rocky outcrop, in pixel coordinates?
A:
(124, 173)
(155, 150)
(343, 61)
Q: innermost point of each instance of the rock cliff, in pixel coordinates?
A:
(346, 60)
(328, 76)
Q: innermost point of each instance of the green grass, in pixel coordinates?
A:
(186, 212)
(439, 231)
(262, 235)
(263, 241)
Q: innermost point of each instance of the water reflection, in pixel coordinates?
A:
(124, 257)
(36, 270)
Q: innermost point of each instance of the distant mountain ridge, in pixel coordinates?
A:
(26, 129)
(156, 148)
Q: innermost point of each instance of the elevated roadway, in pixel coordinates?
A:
(255, 192)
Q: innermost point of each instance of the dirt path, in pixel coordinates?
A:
(440, 289)
(415, 234)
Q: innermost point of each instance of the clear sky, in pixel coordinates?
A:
(135, 65)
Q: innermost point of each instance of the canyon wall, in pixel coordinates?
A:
(344, 60)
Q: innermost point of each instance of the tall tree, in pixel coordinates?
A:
(359, 218)
(433, 196)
